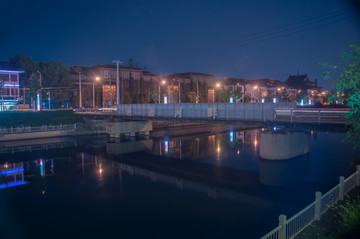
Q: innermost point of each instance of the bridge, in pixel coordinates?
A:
(246, 113)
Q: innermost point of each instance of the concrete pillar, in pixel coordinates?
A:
(317, 205)
(282, 223)
(341, 189)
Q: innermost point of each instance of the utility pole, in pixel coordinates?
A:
(117, 82)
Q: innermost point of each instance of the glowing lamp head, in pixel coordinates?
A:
(255, 87)
(217, 84)
(163, 82)
(97, 78)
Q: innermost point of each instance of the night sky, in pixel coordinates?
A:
(243, 39)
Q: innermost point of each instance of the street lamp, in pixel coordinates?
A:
(162, 82)
(97, 78)
(217, 85)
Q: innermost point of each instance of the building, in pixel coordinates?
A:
(191, 84)
(9, 86)
(98, 85)
(296, 88)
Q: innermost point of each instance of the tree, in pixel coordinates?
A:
(192, 96)
(348, 86)
(142, 95)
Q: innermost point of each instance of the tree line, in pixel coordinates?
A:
(41, 76)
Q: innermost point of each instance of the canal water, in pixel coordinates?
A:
(224, 185)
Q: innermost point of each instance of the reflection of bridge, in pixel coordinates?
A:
(186, 184)
(247, 113)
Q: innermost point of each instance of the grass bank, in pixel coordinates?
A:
(38, 118)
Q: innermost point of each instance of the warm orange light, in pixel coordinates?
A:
(279, 89)
(97, 78)
(255, 87)
(255, 142)
(163, 82)
(218, 149)
(100, 170)
(218, 85)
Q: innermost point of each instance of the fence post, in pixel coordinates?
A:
(317, 205)
(341, 189)
(358, 175)
(291, 116)
(282, 223)
(319, 117)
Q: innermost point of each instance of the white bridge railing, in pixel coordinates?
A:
(237, 111)
(290, 228)
(29, 129)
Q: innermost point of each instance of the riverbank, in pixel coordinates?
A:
(38, 118)
(331, 224)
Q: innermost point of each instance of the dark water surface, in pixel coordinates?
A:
(199, 186)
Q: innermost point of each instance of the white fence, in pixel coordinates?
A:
(29, 129)
(243, 111)
(293, 226)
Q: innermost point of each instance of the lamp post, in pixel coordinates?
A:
(162, 82)
(38, 94)
(111, 101)
(217, 85)
(97, 78)
(117, 82)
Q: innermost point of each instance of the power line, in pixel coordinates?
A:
(294, 28)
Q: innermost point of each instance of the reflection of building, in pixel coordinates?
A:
(9, 86)
(11, 175)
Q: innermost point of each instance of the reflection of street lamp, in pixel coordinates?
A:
(97, 78)
(162, 82)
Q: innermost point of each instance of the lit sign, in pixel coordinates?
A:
(165, 100)
(10, 85)
(11, 171)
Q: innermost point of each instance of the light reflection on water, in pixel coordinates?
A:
(189, 182)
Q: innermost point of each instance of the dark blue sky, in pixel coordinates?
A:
(244, 39)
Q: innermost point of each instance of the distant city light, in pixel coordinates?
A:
(165, 100)
(310, 102)
(274, 100)
(302, 102)
(231, 100)
(274, 128)
(166, 146)
(231, 136)
(38, 101)
(255, 142)
(11, 171)
(100, 170)
(262, 100)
